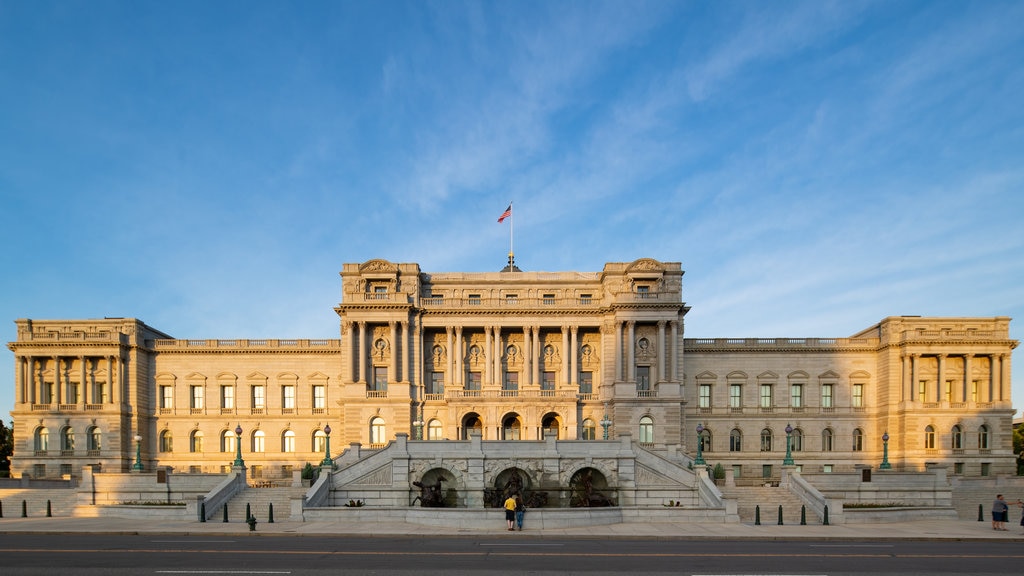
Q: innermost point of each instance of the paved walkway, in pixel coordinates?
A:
(911, 530)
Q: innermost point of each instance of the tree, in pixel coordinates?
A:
(6, 448)
(1018, 448)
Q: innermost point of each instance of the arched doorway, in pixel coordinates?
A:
(551, 424)
(472, 423)
(436, 489)
(511, 427)
(588, 488)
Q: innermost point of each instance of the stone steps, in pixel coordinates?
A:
(769, 499)
(259, 501)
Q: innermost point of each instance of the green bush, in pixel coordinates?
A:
(719, 471)
(308, 472)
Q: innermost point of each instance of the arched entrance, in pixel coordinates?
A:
(588, 488)
(471, 423)
(551, 423)
(436, 489)
(511, 427)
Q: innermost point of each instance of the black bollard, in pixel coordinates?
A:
(780, 514)
(981, 512)
(757, 515)
(270, 514)
(825, 523)
(24, 509)
(49, 514)
(202, 512)
(225, 512)
(248, 514)
(803, 515)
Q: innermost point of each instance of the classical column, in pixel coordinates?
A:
(361, 354)
(488, 356)
(967, 377)
(416, 362)
(567, 353)
(460, 354)
(33, 392)
(347, 343)
(407, 347)
(631, 350)
(116, 392)
(574, 351)
(914, 392)
(536, 360)
(661, 348)
(497, 357)
(991, 377)
(674, 356)
(57, 397)
(449, 346)
(1004, 382)
(19, 379)
(904, 378)
(941, 376)
(393, 365)
(618, 352)
(528, 360)
(82, 388)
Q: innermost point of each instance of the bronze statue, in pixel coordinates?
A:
(431, 495)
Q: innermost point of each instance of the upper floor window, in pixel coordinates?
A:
(319, 396)
(511, 298)
(474, 381)
(796, 395)
(549, 299)
(983, 440)
(167, 397)
(589, 430)
(227, 397)
(435, 431)
(643, 378)
(643, 291)
(826, 395)
(704, 396)
(735, 395)
(436, 385)
(586, 382)
(858, 395)
(511, 381)
(197, 397)
(956, 437)
(766, 395)
(547, 380)
(259, 398)
(646, 430)
(826, 440)
(474, 299)
(380, 379)
(288, 397)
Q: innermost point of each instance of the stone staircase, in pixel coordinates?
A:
(748, 498)
(259, 501)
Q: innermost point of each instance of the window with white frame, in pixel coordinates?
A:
(704, 396)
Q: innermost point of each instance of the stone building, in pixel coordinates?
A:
(513, 355)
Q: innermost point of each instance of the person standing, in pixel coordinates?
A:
(520, 512)
(999, 512)
(510, 513)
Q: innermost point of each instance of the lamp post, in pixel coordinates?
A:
(327, 448)
(788, 460)
(238, 446)
(606, 423)
(700, 445)
(885, 452)
(138, 454)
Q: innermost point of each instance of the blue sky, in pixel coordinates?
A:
(208, 167)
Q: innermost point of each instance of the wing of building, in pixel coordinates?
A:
(514, 355)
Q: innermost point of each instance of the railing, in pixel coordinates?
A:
(319, 411)
(89, 407)
(164, 343)
(519, 302)
(196, 411)
(42, 407)
(67, 407)
(587, 396)
(227, 410)
(376, 393)
(433, 397)
(509, 393)
(690, 343)
(646, 394)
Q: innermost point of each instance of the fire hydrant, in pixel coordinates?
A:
(252, 523)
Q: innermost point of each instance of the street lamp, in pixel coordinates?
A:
(788, 460)
(138, 454)
(418, 426)
(238, 446)
(700, 444)
(327, 448)
(606, 423)
(885, 452)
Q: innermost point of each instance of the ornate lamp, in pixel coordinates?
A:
(138, 454)
(606, 423)
(238, 446)
(788, 460)
(328, 461)
(700, 445)
(885, 452)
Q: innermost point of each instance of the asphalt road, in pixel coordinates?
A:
(36, 554)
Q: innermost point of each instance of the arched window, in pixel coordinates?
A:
(227, 441)
(646, 430)
(796, 440)
(259, 441)
(472, 423)
(319, 441)
(378, 430)
(67, 439)
(550, 425)
(766, 440)
(94, 439)
(956, 438)
(288, 441)
(826, 440)
(589, 430)
(735, 440)
(929, 438)
(196, 441)
(166, 441)
(983, 437)
(510, 428)
(858, 440)
(42, 439)
(435, 431)
(705, 440)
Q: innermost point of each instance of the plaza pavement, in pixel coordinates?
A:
(953, 530)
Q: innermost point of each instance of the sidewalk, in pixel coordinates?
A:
(912, 530)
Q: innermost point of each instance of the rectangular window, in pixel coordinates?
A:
(197, 397)
(796, 395)
(288, 397)
(737, 470)
(922, 391)
(986, 469)
(167, 397)
(259, 398)
(72, 393)
(227, 397)
(826, 468)
(586, 382)
(511, 299)
(549, 299)
(948, 392)
(319, 396)
(474, 381)
(643, 291)
(974, 390)
(766, 470)
(380, 378)
(766, 395)
(547, 381)
(436, 385)
(704, 396)
(511, 381)
(735, 395)
(100, 393)
(826, 396)
(643, 378)
(474, 299)
(858, 395)
(585, 299)
(958, 468)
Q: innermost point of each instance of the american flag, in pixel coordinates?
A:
(505, 214)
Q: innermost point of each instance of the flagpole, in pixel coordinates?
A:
(511, 226)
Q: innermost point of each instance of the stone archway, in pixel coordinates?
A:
(588, 488)
(436, 489)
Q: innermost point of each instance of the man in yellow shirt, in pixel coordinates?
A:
(510, 513)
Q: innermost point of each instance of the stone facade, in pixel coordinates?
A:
(513, 355)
